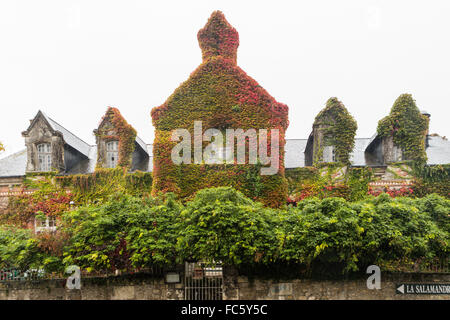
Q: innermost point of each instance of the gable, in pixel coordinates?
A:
(49, 127)
(220, 93)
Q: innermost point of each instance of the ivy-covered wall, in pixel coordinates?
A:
(222, 96)
(98, 186)
(407, 127)
(334, 126)
(328, 180)
(432, 179)
(50, 194)
(113, 127)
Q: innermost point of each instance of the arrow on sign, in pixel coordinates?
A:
(401, 288)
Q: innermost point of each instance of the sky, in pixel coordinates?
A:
(73, 59)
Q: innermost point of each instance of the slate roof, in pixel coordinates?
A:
(71, 139)
(14, 165)
(142, 144)
(294, 153)
(438, 152)
(357, 157)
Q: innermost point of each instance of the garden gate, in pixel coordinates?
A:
(203, 281)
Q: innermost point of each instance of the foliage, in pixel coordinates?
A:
(401, 192)
(38, 195)
(297, 176)
(432, 179)
(18, 249)
(328, 180)
(98, 186)
(322, 234)
(124, 232)
(328, 236)
(218, 38)
(338, 129)
(221, 95)
(408, 128)
(358, 182)
(114, 127)
(221, 224)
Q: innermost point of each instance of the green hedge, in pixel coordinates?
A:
(329, 236)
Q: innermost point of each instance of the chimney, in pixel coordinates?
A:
(427, 135)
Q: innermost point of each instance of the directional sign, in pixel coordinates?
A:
(423, 288)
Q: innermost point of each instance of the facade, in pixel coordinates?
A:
(79, 157)
(223, 98)
(51, 147)
(221, 95)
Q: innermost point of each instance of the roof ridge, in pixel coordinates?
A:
(90, 145)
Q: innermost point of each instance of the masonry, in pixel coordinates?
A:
(235, 288)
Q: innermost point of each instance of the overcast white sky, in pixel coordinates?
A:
(72, 59)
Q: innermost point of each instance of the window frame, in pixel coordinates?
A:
(112, 153)
(44, 156)
(48, 225)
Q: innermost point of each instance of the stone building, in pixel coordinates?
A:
(51, 147)
(74, 156)
(332, 136)
(223, 96)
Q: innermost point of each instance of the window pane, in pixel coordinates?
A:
(112, 145)
(44, 156)
(112, 159)
(328, 154)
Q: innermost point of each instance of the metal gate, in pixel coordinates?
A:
(203, 281)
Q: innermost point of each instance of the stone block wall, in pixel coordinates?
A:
(242, 288)
(113, 288)
(235, 288)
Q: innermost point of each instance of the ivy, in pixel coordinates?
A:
(328, 180)
(95, 188)
(432, 179)
(123, 132)
(328, 236)
(408, 128)
(254, 184)
(221, 95)
(338, 129)
(39, 195)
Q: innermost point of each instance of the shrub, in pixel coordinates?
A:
(19, 250)
(327, 236)
(221, 224)
(126, 232)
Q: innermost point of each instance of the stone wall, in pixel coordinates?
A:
(6, 192)
(241, 288)
(112, 288)
(235, 287)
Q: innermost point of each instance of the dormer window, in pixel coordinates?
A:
(47, 225)
(112, 153)
(44, 151)
(329, 154)
(396, 153)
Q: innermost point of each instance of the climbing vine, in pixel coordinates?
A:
(432, 179)
(114, 127)
(222, 96)
(38, 196)
(338, 129)
(331, 180)
(97, 187)
(408, 128)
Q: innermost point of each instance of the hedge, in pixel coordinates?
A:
(221, 224)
